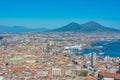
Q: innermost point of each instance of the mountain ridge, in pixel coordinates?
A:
(87, 27)
(4, 28)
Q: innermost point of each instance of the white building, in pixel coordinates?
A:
(56, 71)
(1, 78)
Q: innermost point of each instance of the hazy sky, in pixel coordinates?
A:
(56, 13)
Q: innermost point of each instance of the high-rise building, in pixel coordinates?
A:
(93, 59)
(119, 68)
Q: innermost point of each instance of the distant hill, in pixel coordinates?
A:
(68, 28)
(85, 28)
(20, 29)
(89, 27)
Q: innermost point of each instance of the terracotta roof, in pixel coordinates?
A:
(18, 68)
(111, 75)
(33, 73)
(90, 78)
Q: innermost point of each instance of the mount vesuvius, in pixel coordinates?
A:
(85, 28)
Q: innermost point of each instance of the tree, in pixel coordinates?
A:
(83, 73)
(92, 74)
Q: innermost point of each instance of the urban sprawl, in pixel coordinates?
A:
(51, 56)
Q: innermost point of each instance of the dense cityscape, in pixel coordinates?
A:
(59, 39)
(52, 56)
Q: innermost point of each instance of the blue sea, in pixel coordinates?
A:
(112, 49)
(109, 48)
